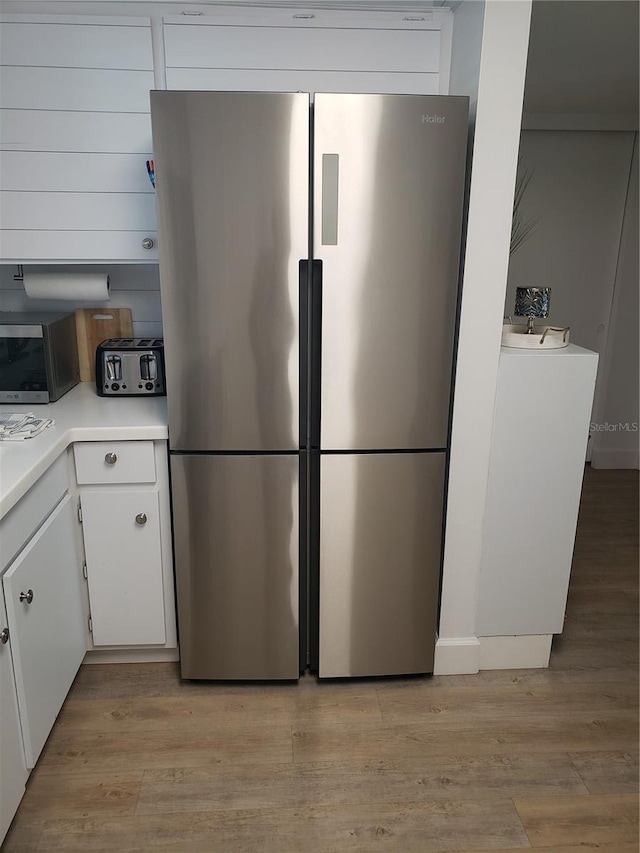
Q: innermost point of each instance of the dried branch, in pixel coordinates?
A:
(521, 228)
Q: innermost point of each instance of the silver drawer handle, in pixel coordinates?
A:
(141, 518)
(110, 458)
(27, 596)
(4, 636)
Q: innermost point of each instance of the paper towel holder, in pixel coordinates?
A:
(63, 285)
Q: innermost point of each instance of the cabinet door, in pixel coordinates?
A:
(350, 54)
(47, 632)
(539, 439)
(13, 770)
(124, 566)
(75, 136)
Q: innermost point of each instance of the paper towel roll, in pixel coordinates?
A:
(79, 287)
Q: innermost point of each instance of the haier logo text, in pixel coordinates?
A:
(429, 119)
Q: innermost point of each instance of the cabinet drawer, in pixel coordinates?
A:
(26, 516)
(114, 462)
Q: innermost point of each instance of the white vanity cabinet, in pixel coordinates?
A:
(13, 769)
(124, 504)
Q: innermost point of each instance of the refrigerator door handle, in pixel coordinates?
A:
(315, 354)
(330, 177)
(305, 349)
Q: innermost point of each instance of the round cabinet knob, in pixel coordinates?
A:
(27, 596)
(110, 458)
(141, 518)
(147, 243)
(4, 636)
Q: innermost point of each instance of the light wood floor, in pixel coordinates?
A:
(503, 760)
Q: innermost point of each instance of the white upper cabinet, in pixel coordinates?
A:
(327, 51)
(75, 128)
(75, 133)
(76, 43)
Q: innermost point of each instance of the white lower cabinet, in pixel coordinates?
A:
(538, 448)
(122, 547)
(124, 496)
(46, 620)
(13, 769)
(124, 503)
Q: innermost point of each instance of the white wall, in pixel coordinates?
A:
(134, 286)
(582, 72)
(582, 75)
(464, 73)
(497, 133)
(466, 51)
(577, 193)
(615, 444)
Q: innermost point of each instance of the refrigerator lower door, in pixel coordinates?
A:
(235, 527)
(380, 545)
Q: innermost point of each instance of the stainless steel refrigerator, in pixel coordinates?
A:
(309, 252)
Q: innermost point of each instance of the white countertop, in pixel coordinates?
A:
(79, 416)
(552, 352)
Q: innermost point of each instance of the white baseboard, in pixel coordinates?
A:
(469, 655)
(453, 655)
(131, 655)
(615, 458)
(523, 652)
(457, 656)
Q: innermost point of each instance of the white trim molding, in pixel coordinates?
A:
(470, 655)
(148, 655)
(516, 652)
(505, 39)
(457, 656)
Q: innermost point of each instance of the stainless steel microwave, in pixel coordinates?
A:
(38, 356)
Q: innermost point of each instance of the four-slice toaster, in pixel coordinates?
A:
(130, 367)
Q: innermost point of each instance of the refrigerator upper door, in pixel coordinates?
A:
(236, 552)
(232, 203)
(388, 197)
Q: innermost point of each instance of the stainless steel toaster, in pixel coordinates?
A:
(131, 367)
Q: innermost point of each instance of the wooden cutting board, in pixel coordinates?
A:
(94, 325)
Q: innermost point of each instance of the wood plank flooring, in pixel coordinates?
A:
(504, 760)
